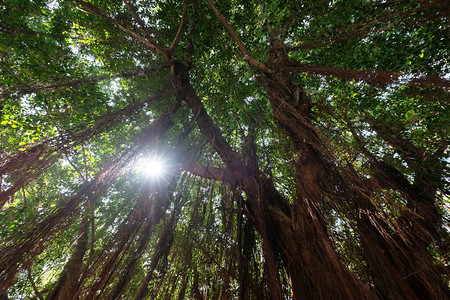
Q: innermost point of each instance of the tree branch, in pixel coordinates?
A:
(374, 77)
(210, 172)
(389, 20)
(177, 38)
(245, 54)
(33, 285)
(144, 30)
(151, 44)
(210, 131)
(33, 89)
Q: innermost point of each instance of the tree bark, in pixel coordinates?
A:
(295, 239)
(318, 178)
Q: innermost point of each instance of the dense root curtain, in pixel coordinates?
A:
(162, 239)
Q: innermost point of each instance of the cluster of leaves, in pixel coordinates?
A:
(64, 70)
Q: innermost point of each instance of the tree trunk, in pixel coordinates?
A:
(392, 259)
(299, 239)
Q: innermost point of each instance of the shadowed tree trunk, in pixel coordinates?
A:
(295, 149)
(296, 240)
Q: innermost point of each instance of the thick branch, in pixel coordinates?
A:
(210, 172)
(206, 124)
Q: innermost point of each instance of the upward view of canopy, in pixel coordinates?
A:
(201, 149)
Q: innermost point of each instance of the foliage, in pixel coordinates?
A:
(304, 147)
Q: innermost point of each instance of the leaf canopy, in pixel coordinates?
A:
(304, 147)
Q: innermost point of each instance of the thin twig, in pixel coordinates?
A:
(75, 167)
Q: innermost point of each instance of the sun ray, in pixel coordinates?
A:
(154, 167)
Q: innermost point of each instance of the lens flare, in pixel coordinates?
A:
(153, 167)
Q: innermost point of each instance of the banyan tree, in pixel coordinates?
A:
(205, 149)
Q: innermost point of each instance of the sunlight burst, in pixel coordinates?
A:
(153, 166)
